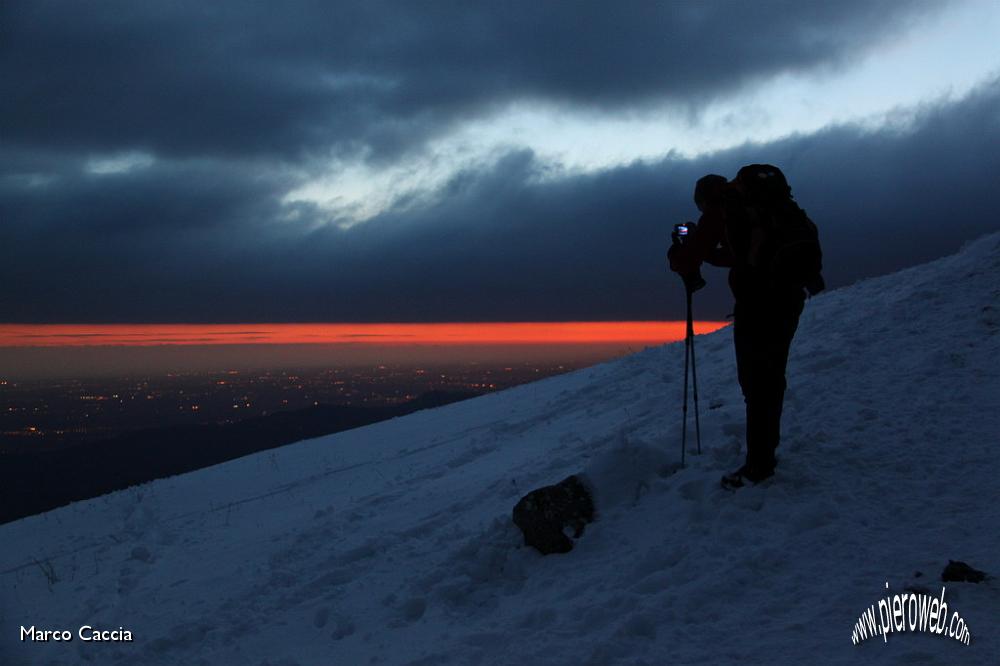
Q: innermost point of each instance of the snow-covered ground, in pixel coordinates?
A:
(394, 543)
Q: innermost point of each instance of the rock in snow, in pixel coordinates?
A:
(545, 514)
(393, 543)
(961, 572)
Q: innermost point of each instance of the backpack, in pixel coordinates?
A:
(783, 243)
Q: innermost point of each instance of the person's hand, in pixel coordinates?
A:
(679, 259)
(672, 253)
(679, 255)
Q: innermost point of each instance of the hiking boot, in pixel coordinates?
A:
(744, 475)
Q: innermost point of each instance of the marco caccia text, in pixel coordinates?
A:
(86, 633)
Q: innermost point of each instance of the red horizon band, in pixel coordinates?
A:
(499, 333)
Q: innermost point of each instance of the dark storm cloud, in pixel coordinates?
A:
(285, 79)
(501, 246)
(497, 243)
(233, 101)
(122, 241)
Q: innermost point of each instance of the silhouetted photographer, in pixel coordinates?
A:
(753, 226)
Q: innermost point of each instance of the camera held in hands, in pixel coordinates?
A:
(682, 235)
(683, 231)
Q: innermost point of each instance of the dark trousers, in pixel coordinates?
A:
(762, 332)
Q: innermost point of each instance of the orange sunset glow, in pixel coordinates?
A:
(507, 333)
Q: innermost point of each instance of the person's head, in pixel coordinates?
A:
(708, 191)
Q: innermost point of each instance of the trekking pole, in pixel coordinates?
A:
(687, 356)
(692, 283)
(694, 373)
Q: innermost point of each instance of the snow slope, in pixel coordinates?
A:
(393, 543)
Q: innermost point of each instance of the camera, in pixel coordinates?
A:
(693, 281)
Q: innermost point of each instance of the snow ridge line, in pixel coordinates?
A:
(229, 505)
(299, 483)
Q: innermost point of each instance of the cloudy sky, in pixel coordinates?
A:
(467, 161)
